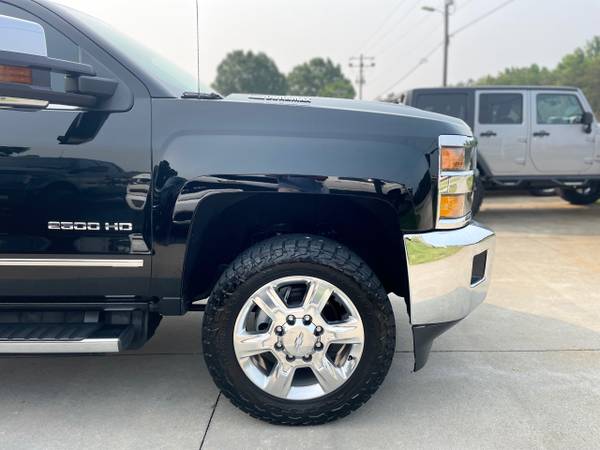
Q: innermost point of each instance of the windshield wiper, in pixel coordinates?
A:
(202, 95)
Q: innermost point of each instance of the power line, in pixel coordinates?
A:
(461, 6)
(383, 24)
(482, 17)
(422, 39)
(411, 8)
(408, 33)
(423, 61)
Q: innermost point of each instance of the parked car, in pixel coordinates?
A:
(296, 217)
(529, 137)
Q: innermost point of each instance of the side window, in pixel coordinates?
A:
(59, 46)
(501, 109)
(454, 105)
(558, 109)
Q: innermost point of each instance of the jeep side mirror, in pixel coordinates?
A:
(25, 71)
(587, 120)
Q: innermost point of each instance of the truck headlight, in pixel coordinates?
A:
(455, 159)
(456, 179)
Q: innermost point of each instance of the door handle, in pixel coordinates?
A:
(542, 133)
(489, 133)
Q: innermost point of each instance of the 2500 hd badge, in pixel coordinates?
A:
(292, 220)
(90, 226)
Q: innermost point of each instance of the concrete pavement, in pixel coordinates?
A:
(523, 371)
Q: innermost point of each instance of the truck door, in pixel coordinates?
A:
(68, 224)
(502, 130)
(560, 145)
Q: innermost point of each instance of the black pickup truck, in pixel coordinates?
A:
(127, 195)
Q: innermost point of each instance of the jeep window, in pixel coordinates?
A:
(454, 105)
(173, 77)
(501, 109)
(558, 109)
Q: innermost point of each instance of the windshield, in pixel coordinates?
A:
(168, 73)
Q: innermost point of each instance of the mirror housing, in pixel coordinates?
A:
(587, 120)
(25, 71)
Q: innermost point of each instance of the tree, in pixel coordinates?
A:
(247, 72)
(319, 78)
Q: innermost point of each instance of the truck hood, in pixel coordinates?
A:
(373, 107)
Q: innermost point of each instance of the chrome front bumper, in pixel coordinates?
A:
(448, 273)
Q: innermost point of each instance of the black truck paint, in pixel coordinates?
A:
(116, 215)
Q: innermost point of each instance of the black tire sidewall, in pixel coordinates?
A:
(576, 198)
(232, 293)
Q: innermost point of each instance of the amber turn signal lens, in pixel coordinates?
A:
(452, 206)
(11, 74)
(453, 159)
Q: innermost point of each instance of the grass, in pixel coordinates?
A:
(421, 253)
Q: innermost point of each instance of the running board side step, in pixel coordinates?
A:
(20, 338)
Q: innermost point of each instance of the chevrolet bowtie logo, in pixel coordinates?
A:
(298, 342)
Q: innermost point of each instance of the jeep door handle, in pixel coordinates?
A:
(542, 133)
(488, 134)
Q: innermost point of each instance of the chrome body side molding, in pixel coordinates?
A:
(63, 262)
(111, 345)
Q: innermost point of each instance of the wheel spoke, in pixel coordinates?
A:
(328, 376)
(247, 345)
(269, 301)
(280, 379)
(348, 332)
(317, 296)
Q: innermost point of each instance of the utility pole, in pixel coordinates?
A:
(446, 12)
(364, 62)
(447, 4)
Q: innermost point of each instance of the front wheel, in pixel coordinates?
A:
(298, 331)
(581, 196)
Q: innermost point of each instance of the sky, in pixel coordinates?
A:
(398, 33)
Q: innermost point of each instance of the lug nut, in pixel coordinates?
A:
(290, 358)
(278, 346)
(307, 358)
(318, 331)
(307, 320)
(319, 346)
(279, 331)
(291, 320)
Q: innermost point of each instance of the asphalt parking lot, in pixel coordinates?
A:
(523, 371)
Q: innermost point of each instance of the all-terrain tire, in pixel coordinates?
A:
(293, 255)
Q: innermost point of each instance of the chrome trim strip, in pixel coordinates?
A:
(453, 224)
(60, 262)
(111, 345)
(461, 183)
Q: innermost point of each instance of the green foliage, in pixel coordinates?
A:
(580, 69)
(319, 78)
(248, 72)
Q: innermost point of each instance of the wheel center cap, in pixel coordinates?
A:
(299, 340)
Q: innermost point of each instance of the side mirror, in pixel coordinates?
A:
(25, 71)
(587, 120)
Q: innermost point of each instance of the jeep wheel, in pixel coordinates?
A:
(298, 331)
(581, 196)
(478, 195)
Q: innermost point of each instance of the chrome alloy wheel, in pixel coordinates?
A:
(298, 338)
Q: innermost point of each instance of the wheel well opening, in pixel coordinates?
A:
(225, 225)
